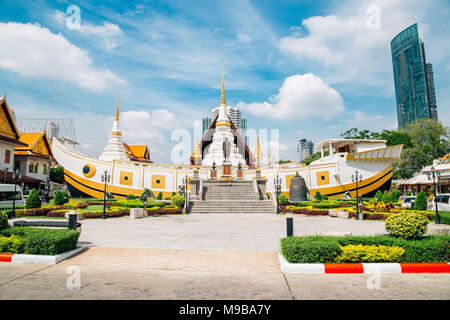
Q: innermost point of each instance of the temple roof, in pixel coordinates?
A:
(8, 129)
(36, 144)
(137, 152)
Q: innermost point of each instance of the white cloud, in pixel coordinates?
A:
(350, 51)
(146, 127)
(301, 96)
(34, 51)
(106, 34)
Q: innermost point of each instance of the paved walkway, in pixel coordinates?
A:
(113, 273)
(205, 256)
(241, 232)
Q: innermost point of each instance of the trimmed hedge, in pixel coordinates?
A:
(45, 241)
(326, 249)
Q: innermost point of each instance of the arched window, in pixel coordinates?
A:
(31, 167)
(36, 168)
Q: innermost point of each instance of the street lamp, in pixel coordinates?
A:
(434, 175)
(4, 177)
(277, 183)
(357, 178)
(16, 179)
(106, 178)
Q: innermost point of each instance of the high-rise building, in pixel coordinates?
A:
(305, 148)
(413, 78)
(206, 122)
(234, 113)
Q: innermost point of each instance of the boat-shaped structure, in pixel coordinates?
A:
(331, 175)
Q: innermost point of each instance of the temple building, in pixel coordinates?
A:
(33, 160)
(223, 136)
(137, 152)
(9, 139)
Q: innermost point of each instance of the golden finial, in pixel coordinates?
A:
(258, 152)
(197, 154)
(117, 110)
(222, 96)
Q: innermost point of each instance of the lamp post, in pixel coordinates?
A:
(277, 183)
(4, 177)
(16, 179)
(434, 175)
(357, 178)
(106, 178)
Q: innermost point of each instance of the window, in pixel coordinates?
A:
(7, 156)
(36, 168)
(44, 169)
(31, 168)
(444, 199)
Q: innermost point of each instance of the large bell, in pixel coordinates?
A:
(297, 189)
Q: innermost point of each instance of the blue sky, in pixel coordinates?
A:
(311, 69)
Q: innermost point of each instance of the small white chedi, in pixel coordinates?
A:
(221, 134)
(114, 149)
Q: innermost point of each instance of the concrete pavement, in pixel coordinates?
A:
(113, 273)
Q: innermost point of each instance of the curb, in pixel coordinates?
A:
(34, 258)
(340, 268)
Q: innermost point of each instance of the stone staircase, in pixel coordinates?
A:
(230, 197)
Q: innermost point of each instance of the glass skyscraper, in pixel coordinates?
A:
(238, 120)
(413, 78)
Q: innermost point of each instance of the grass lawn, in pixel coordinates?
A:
(443, 215)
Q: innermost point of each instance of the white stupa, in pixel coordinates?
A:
(114, 149)
(223, 132)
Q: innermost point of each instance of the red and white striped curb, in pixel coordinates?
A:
(432, 267)
(35, 258)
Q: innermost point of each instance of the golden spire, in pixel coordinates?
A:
(197, 154)
(257, 151)
(222, 96)
(117, 110)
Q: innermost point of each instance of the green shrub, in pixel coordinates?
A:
(318, 196)
(159, 197)
(386, 197)
(60, 198)
(378, 195)
(364, 253)
(177, 201)
(131, 197)
(407, 225)
(173, 193)
(395, 194)
(314, 249)
(3, 220)
(45, 241)
(421, 202)
(409, 193)
(282, 199)
(12, 244)
(33, 201)
(324, 198)
(145, 193)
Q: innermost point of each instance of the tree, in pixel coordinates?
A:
(386, 197)
(314, 157)
(33, 201)
(57, 174)
(395, 137)
(429, 141)
(318, 196)
(421, 202)
(378, 195)
(61, 197)
(159, 197)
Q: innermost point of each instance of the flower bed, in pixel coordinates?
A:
(328, 249)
